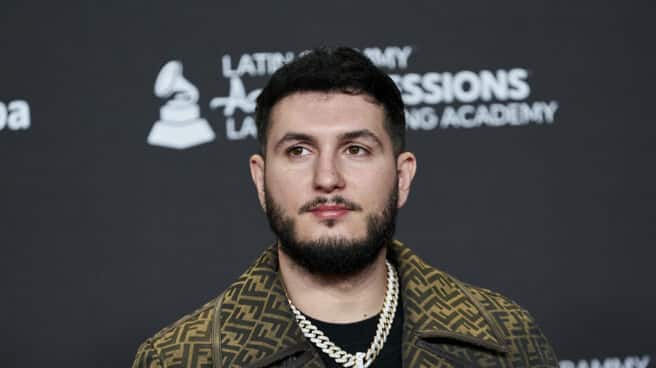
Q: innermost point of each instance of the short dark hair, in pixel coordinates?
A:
(340, 69)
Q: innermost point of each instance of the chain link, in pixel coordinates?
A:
(385, 319)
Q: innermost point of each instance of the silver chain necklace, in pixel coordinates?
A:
(385, 319)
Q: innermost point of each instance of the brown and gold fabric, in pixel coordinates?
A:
(446, 324)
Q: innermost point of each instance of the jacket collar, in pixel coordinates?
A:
(254, 326)
(436, 305)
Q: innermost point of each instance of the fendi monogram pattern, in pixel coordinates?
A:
(427, 289)
(459, 325)
(187, 343)
(256, 319)
(447, 324)
(522, 333)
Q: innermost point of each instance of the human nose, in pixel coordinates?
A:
(327, 176)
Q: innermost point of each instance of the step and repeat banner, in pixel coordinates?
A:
(126, 127)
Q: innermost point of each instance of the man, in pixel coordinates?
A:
(336, 290)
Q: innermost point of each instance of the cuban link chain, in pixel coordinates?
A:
(385, 319)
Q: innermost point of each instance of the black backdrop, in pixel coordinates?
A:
(105, 238)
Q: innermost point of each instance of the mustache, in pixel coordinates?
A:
(339, 200)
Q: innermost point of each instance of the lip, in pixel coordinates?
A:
(329, 212)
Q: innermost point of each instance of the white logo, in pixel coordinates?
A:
(433, 99)
(180, 125)
(445, 100)
(238, 98)
(628, 362)
(15, 115)
(239, 105)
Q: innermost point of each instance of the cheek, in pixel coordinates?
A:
(371, 187)
(285, 187)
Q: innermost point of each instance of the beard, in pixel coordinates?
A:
(334, 255)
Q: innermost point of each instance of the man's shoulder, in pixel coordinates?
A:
(185, 342)
(515, 323)
(442, 305)
(503, 313)
(492, 301)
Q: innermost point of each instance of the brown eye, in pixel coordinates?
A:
(355, 150)
(296, 151)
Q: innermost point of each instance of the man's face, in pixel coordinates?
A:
(330, 177)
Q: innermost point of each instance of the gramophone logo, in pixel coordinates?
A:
(180, 125)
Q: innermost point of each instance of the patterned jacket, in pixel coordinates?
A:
(446, 324)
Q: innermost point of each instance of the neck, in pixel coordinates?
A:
(335, 299)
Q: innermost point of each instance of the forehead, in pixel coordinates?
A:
(325, 114)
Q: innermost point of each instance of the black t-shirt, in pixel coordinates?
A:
(356, 337)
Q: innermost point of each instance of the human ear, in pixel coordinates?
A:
(406, 166)
(256, 163)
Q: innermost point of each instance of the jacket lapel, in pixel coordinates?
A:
(255, 325)
(438, 308)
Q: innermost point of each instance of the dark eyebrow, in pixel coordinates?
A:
(364, 133)
(293, 136)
